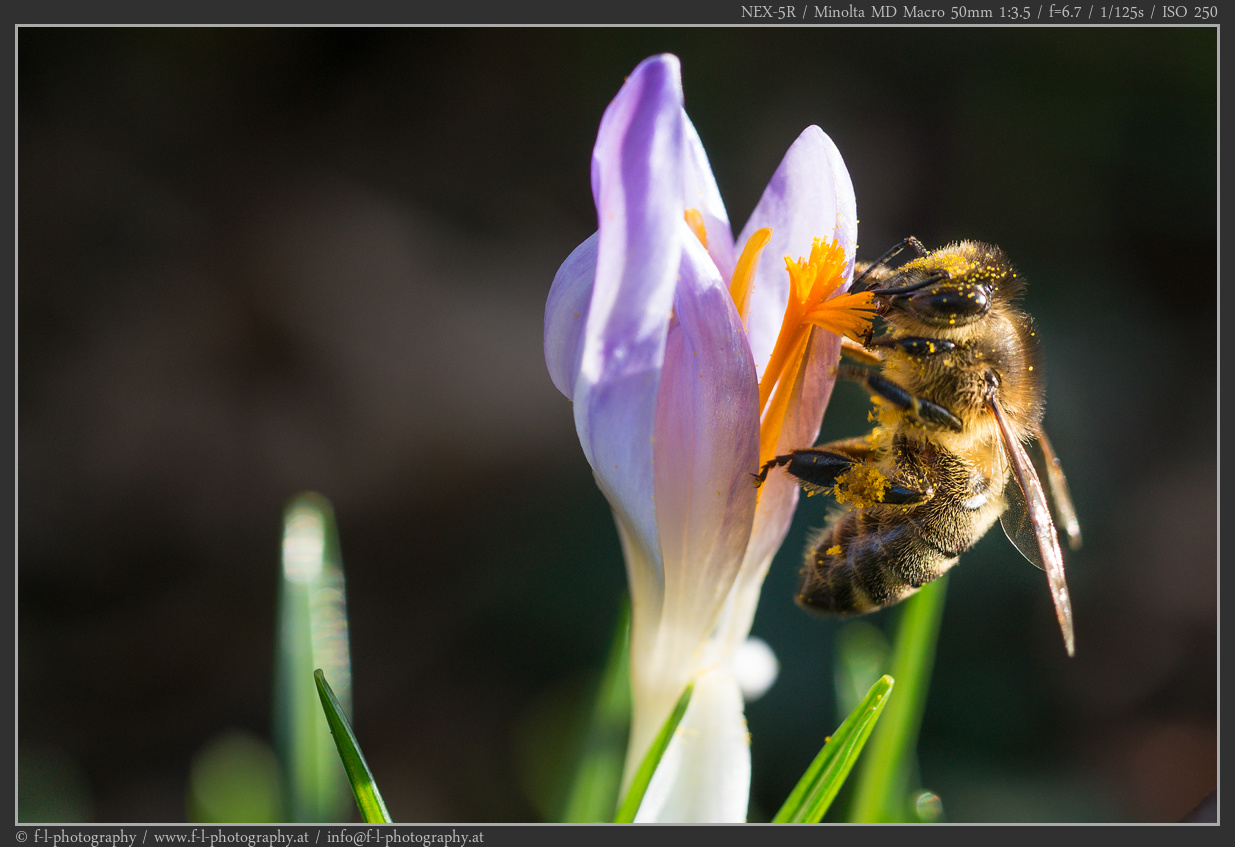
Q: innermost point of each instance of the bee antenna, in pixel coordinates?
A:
(911, 241)
(913, 286)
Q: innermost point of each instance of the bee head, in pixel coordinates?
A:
(950, 287)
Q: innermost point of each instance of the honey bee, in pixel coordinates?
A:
(957, 393)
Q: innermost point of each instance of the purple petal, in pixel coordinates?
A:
(810, 196)
(566, 315)
(707, 434)
(637, 182)
(836, 212)
(707, 445)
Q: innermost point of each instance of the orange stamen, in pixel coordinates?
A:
(844, 314)
(774, 416)
(694, 220)
(743, 282)
(812, 284)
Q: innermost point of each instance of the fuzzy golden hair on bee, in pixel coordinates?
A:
(956, 379)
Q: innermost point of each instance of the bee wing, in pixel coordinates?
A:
(1061, 498)
(1015, 520)
(1028, 525)
(1018, 526)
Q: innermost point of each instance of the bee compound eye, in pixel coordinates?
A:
(950, 304)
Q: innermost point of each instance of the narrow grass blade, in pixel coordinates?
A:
(312, 622)
(643, 776)
(364, 787)
(815, 791)
(883, 779)
(593, 793)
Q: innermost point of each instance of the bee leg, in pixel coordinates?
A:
(912, 345)
(919, 410)
(817, 470)
(762, 476)
(814, 468)
(854, 350)
(911, 475)
(858, 447)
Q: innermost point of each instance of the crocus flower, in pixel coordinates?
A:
(690, 363)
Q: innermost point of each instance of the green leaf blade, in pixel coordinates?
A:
(811, 797)
(364, 786)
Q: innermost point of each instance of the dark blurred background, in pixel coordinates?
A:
(256, 261)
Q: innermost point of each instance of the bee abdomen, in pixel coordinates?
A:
(859, 566)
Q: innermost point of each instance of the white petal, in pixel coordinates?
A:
(704, 776)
